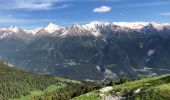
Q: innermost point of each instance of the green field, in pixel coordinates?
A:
(67, 80)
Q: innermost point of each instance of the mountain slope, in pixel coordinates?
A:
(155, 88)
(58, 57)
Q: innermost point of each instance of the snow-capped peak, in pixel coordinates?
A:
(95, 23)
(75, 30)
(10, 31)
(32, 31)
(13, 29)
(153, 26)
(50, 28)
(95, 27)
(166, 24)
(75, 26)
(156, 25)
(131, 25)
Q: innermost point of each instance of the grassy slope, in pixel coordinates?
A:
(49, 89)
(89, 96)
(157, 88)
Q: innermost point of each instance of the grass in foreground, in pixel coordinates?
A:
(89, 96)
(156, 88)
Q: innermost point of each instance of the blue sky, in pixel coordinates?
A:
(35, 13)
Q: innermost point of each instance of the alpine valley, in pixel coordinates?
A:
(94, 51)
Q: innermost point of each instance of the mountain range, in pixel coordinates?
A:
(94, 28)
(94, 51)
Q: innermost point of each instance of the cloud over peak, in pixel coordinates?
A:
(102, 9)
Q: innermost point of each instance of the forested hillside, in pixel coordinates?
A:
(19, 85)
(14, 83)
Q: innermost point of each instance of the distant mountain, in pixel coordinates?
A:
(92, 51)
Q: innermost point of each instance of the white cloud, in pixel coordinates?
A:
(95, 0)
(7, 20)
(14, 20)
(63, 6)
(32, 4)
(165, 14)
(148, 4)
(102, 9)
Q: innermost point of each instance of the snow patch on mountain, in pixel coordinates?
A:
(98, 68)
(151, 52)
(141, 45)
